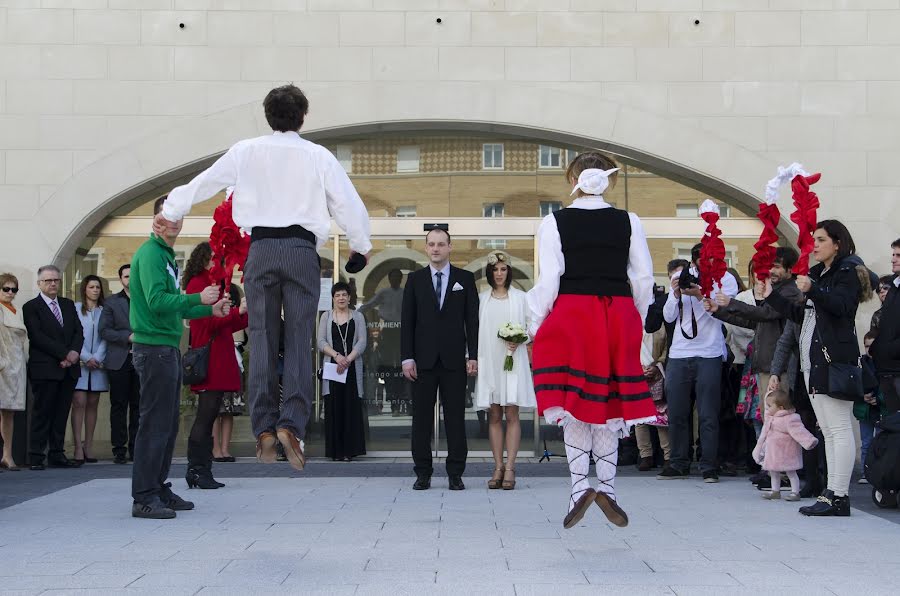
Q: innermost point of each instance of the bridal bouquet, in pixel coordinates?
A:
(512, 333)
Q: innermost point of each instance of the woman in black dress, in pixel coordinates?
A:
(342, 339)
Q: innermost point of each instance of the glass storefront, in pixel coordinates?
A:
(492, 192)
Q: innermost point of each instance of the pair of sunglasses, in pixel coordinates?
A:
(13, 290)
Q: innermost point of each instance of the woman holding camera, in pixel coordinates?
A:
(834, 289)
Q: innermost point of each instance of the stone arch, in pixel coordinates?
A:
(662, 144)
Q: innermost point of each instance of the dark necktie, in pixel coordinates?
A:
(437, 287)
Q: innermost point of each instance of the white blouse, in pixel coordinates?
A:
(552, 264)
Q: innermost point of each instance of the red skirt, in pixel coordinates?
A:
(587, 359)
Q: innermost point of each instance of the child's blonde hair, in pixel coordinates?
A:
(781, 399)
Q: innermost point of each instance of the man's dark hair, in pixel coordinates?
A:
(787, 256)
(449, 241)
(675, 264)
(895, 243)
(123, 268)
(285, 108)
(695, 252)
(158, 204)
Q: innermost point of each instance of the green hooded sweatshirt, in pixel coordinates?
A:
(157, 305)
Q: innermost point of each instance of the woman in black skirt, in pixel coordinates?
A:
(342, 339)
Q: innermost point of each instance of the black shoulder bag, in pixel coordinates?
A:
(195, 364)
(845, 381)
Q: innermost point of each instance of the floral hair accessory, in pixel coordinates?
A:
(496, 257)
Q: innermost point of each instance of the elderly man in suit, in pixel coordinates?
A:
(439, 345)
(56, 337)
(124, 384)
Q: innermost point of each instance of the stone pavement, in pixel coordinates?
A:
(359, 535)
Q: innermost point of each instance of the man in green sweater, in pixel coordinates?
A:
(157, 310)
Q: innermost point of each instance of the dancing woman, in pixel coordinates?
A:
(587, 312)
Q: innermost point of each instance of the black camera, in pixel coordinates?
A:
(687, 279)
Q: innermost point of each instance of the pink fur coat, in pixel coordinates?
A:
(779, 445)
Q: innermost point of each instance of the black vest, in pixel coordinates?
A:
(595, 244)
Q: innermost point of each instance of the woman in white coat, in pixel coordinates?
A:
(496, 390)
(13, 360)
(93, 380)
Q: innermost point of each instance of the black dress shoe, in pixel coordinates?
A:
(120, 459)
(456, 483)
(422, 483)
(37, 467)
(65, 463)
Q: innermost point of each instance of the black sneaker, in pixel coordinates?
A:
(173, 501)
(155, 510)
(120, 459)
(710, 476)
(670, 473)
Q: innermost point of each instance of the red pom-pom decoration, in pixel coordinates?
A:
(229, 245)
(806, 205)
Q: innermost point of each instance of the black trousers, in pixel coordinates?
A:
(890, 389)
(200, 441)
(124, 407)
(52, 402)
(452, 384)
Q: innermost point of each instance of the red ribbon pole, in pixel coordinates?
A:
(806, 205)
(229, 245)
(712, 264)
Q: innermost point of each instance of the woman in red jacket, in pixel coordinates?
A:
(224, 374)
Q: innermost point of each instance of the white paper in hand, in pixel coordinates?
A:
(330, 373)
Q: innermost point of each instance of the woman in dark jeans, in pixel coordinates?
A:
(834, 289)
(223, 376)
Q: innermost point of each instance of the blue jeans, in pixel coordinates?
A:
(704, 376)
(866, 434)
(159, 369)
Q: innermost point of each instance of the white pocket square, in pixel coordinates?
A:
(457, 287)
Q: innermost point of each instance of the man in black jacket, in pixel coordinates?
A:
(886, 349)
(56, 337)
(439, 346)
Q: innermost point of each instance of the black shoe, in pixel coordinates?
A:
(728, 470)
(201, 478)
(155, 510)
(766, 484)
(670, 473)
(759, 477)
(37, 467)
(828, 505)
(422, 483)
(131, 459)
(120, 459)
(810, 490)
(456, 483)
(173, 501)
(65, 463)
(646, 464)
(710, 477)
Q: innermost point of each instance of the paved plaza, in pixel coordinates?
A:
(374, 535)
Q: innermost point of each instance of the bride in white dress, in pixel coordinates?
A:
(496, 390)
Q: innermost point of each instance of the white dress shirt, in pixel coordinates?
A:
(280, 180)
(710, 341)
(552, 264)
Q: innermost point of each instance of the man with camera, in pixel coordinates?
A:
(695, 363)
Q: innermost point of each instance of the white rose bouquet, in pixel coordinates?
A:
(515, 334)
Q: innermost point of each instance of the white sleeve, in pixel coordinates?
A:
(640, 267)
(222, 174)
(729, 287)
(551, 265)
(345, 206)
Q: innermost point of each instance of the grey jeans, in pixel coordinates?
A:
(704, 376)
(159, 369)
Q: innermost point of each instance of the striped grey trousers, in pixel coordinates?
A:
(281, 274)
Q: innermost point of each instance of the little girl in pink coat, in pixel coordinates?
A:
(780, 443)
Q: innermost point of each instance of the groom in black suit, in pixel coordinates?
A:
(439, 346)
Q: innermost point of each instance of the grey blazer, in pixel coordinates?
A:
(360, 338)
(115, 328)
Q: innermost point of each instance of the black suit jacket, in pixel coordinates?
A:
(886, 349)
(50, 343)
(433, 336)
(115, 328)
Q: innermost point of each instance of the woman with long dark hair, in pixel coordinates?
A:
(834, 289)
(223, 375)
(93, 380)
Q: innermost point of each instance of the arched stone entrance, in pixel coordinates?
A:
(151, 165)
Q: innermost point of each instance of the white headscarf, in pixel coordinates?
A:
(593, 181)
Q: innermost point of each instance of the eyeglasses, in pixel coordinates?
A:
(13, 290)
(50, 281)
(884, 288)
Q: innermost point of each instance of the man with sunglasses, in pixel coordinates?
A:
(886, 348)
(56, 337)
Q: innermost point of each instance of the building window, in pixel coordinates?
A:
(408, 158)
(493, 156)
(492, 210)
(406, 211)
(570, 155)
(684, 252)
(548, 207)
(687, 210)
(344, 155)
(725, 210)
(549, 157)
